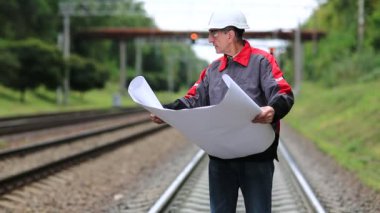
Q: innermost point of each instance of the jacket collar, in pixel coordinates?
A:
(242, 57)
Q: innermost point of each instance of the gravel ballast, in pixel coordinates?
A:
(338, 189)
(131, 178)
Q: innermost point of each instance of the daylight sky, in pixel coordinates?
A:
(262, 15)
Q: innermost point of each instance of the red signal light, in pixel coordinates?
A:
(194, 36)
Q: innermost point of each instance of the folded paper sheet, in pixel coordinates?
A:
(224, 130)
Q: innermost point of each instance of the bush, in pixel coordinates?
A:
(361, 66)
(30, 63)
(86, 74)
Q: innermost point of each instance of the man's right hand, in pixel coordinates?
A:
(156, 119)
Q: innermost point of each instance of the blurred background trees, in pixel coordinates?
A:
(30, 54)
(30, 32)
(341, 58)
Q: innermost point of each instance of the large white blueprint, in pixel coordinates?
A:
(224, 130)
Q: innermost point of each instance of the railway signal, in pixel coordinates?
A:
(194, 37)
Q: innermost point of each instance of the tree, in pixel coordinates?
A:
(86, 74)
(338, 60)
(36, 63)
(9, 66)
(20, 19)
(373, 34)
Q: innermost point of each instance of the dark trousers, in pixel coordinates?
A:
(253, 178)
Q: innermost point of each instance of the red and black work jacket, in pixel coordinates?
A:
(257, 74)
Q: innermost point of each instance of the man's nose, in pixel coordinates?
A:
(210, 39)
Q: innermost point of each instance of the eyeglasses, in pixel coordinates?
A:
(215, 32)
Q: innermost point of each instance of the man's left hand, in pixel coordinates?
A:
(266, 116)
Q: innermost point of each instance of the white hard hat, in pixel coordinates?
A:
(223, 18)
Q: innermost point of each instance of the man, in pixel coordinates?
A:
(258, 74)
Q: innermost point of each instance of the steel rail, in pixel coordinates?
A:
(44, 145)
(9, 183)
(66, 113)
(35, 122)
(169, 193)
(301, 180)
(173, 189)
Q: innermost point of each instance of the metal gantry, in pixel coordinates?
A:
(87, 8)
(140, 34)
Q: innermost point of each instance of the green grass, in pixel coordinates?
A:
(344, 122)
(42, 101)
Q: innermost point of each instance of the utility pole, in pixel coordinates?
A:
(85, 8)
(361, 22)
(122, 61)
(170, 79)
(315, 27)
(138, 60)
(189, 68)
(66, 10)
(297, 60)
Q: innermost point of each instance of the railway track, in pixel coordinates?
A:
(192, 196)
(23, 165)
(189, 191)
(11, 152)
(18, 124)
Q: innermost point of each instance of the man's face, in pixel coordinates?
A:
(218, 38)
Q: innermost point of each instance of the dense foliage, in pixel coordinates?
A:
(338, 58)
(86, 74)
(343, 121)
(30, 47)
(28, 64)
(20, 19)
